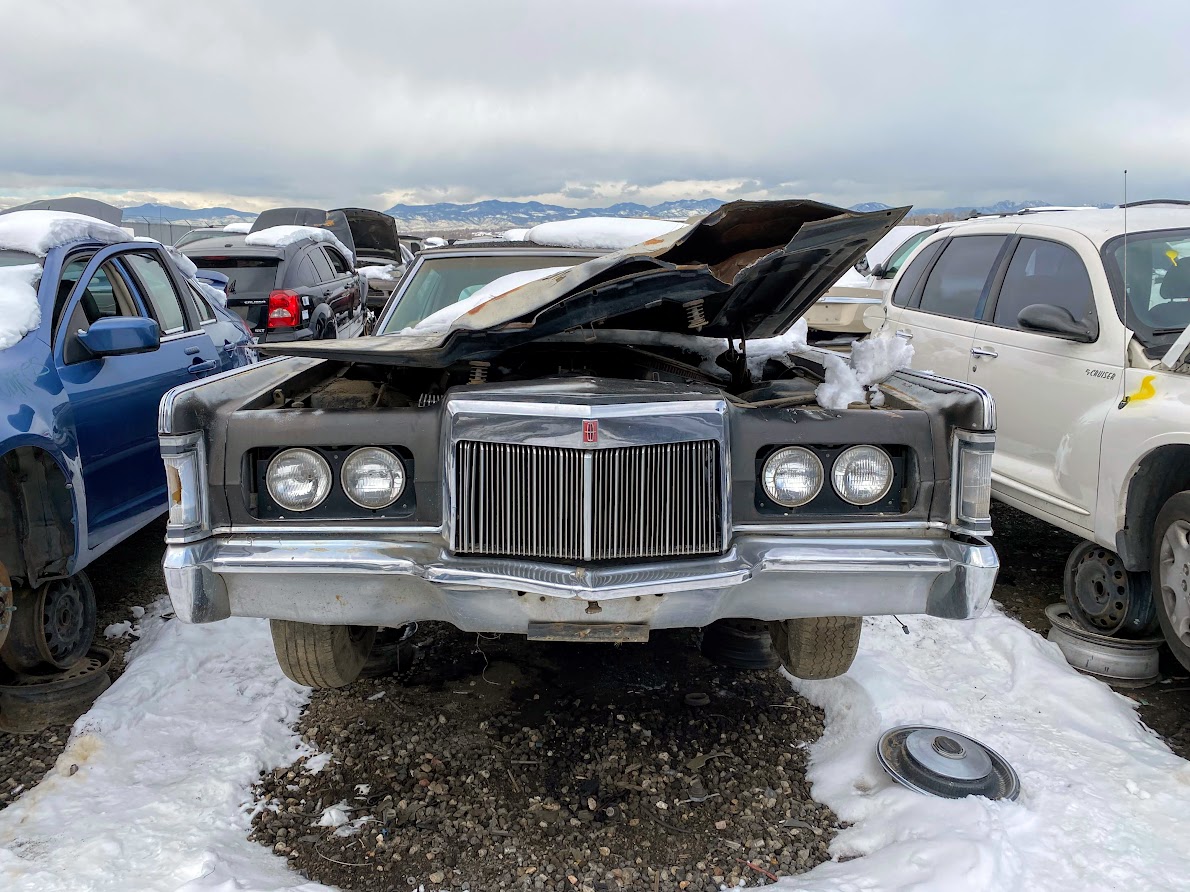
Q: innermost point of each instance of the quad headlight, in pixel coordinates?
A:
(862, 475)
(373, 478)
(298, 479)
(792, 476)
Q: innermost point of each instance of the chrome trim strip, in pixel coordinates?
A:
(165, 409)
(843, 299)
(989, 403)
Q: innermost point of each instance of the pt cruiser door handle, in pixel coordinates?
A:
(984, 351)
(905, 333)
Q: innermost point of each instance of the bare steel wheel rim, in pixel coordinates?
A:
(1103, 596)
(68, 617)
(1174, 562)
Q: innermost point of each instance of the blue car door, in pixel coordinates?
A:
(113, 400)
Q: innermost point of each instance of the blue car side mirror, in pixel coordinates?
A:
(121, 335)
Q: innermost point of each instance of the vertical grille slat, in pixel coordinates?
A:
(565, 504)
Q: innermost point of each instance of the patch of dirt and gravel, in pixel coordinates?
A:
(506, 764)
(128, 576)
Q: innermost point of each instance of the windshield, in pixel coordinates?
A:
(1158, 283)
(898, 256)
(197, 235)
(440, 282)
(17, 258)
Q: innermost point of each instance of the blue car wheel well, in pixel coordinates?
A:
(36, 503)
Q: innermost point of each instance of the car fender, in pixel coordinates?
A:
(1153, 415)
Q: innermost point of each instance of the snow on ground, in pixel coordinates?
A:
(166, 759)
(612, 233)
(280, 236)
(37, 232)
(20, 312)
(1104, 805)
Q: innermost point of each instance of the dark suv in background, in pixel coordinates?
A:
(302, 290)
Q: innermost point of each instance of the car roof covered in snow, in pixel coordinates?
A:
(40, 231)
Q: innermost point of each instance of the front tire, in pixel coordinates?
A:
(1171, 574)
(321, 656)
(818, 646)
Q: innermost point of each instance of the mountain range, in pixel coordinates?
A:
(498, 215)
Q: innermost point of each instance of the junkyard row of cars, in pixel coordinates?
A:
(574, 443)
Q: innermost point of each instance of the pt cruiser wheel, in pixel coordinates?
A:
(321, 656)
(1171, 572)
(1103, 597)
(816, 646)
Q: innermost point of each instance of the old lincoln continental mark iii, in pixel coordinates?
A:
(587, 457)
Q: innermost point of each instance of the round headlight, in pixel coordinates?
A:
(862, 475)
(373, 477)
(298, 479)
(792, 476)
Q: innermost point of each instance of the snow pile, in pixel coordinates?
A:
(386, 273)
(433, 242)
(442, 320)
(241, 226)
(872, 360)
(183, 263)
(847, 379)
(152, 790)
(20, 313)
(514, 235)
(1103, 805)
(280, 236)
(612, 233)
(38, 232)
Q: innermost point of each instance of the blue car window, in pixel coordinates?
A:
(105, 297)
(71, 271)
(158, 289)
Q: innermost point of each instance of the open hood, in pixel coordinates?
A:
(374, 233)
(748, 270)
(335, 221)
(89, 207)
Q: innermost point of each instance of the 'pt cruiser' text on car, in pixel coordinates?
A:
(587, 457)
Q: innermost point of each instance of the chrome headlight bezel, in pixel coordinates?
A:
(769, 472)
(325, 484)
(840, 467)
(362, 454)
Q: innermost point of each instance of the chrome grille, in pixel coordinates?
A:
(573, 504)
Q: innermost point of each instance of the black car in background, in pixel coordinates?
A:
(304, 289)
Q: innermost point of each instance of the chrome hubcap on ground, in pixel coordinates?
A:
(945, 763)
(1174, 561)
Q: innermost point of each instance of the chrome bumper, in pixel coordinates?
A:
(381, 582)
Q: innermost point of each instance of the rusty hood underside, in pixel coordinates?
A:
(748, 270)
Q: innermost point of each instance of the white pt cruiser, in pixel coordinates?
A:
(1077, 323)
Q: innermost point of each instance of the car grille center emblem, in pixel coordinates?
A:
(590, 431)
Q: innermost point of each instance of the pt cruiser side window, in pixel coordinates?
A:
(1044, 272)
(958, 279)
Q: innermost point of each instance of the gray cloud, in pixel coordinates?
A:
(365, 101)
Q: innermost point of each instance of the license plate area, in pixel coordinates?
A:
(614, 633)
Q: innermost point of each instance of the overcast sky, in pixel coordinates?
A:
(374, 102)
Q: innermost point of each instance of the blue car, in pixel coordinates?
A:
(80, 468)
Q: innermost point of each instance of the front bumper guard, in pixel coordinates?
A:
(381, 582)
